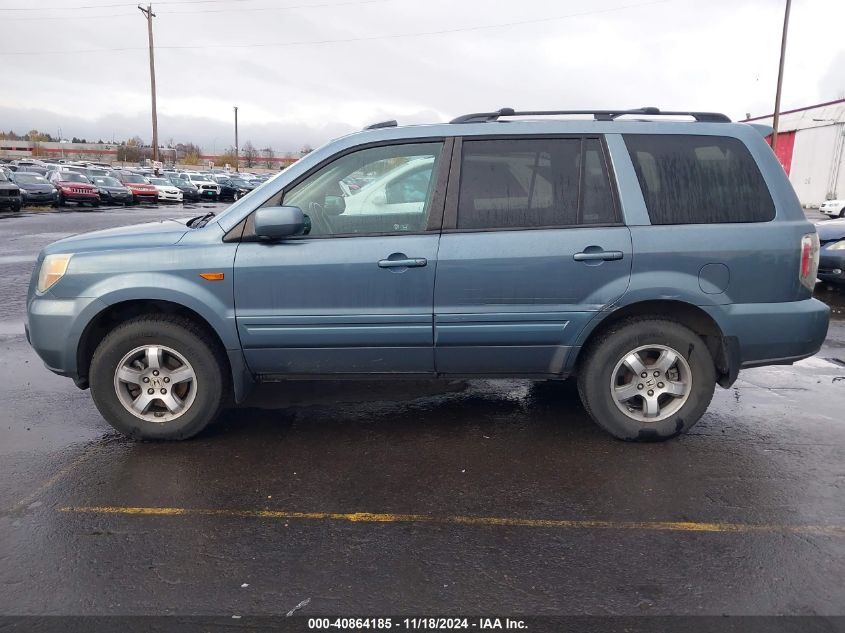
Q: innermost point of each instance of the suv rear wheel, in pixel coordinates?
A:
(155, 378)
(647, 380)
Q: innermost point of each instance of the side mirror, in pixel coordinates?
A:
(277, 222)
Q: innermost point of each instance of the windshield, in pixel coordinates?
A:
(30, 179)
(239, 182)
(200, 178)
(159, 181)
(140, 180)
(105, 181)
(72, 176)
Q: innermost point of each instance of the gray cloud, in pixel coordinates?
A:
(291, 89)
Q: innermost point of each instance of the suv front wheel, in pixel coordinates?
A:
(155, 378)
(647, 379)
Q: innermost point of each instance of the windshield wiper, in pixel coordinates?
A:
(201, 220)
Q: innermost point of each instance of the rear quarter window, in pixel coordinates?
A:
(690, 179)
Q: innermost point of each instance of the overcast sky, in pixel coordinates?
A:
(304, 71)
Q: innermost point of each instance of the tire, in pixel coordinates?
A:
(95, 204)
(184, 348)
(604, 374)
(842, 212)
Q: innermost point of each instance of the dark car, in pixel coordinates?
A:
(227, 190)
(832, 253)
(189, 192)
(243, 186)
(35, 188)
(112, 191)
(74, 187)
(10, 193)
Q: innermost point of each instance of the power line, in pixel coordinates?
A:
(204, 11)
(350, 39)
(112, 6)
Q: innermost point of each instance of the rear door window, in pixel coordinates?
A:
(534, 183)
(691, 179)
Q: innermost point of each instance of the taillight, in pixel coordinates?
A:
(809, 260)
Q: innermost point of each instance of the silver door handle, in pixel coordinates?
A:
(603, 255)
(411, 262)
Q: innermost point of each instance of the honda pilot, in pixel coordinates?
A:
(650, 257)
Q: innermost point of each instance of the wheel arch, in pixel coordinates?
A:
(723, 349)
(116, 313)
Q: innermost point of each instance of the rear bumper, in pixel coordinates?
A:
(773, 333)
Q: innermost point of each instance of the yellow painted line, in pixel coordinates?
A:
(369, 517)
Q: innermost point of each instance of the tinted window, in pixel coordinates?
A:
(690, 179)
(525, 183)
(396, 196)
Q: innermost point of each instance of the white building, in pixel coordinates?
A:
(810, 147)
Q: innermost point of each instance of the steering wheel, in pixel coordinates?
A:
(316, 212)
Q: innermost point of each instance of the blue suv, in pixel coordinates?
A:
(651, 257)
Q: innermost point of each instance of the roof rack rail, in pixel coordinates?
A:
(599, 115)
(381, 124)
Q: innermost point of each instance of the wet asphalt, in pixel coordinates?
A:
(479, 497)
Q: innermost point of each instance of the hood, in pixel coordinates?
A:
(139, 185)
(71, 183)
(37, 188)
(8, 185)
(114, 189)
(150, 234)
(831, 230)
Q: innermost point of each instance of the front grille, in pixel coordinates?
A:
(79, 190)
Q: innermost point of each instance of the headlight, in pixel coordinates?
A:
(839, 246)
(52, 269)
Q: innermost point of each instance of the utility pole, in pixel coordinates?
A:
(776, 118)
(148, 13)
(236, 139)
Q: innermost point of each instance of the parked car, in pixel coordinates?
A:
(112, 191)
(207, 188)
(142, 191)
(231, 188)
(243, 187)
(74, 187)
(833, 208)
(167, 192)
(832, 255)
(35, 189)
(651, 281)
(10, 193)
(189, 192)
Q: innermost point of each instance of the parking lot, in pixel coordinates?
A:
(424, 498)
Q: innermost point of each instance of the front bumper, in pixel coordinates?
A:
(829, 264)
(169, 197)
(41, 198)
(10, 201)
(81, 197)
(55, 326)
